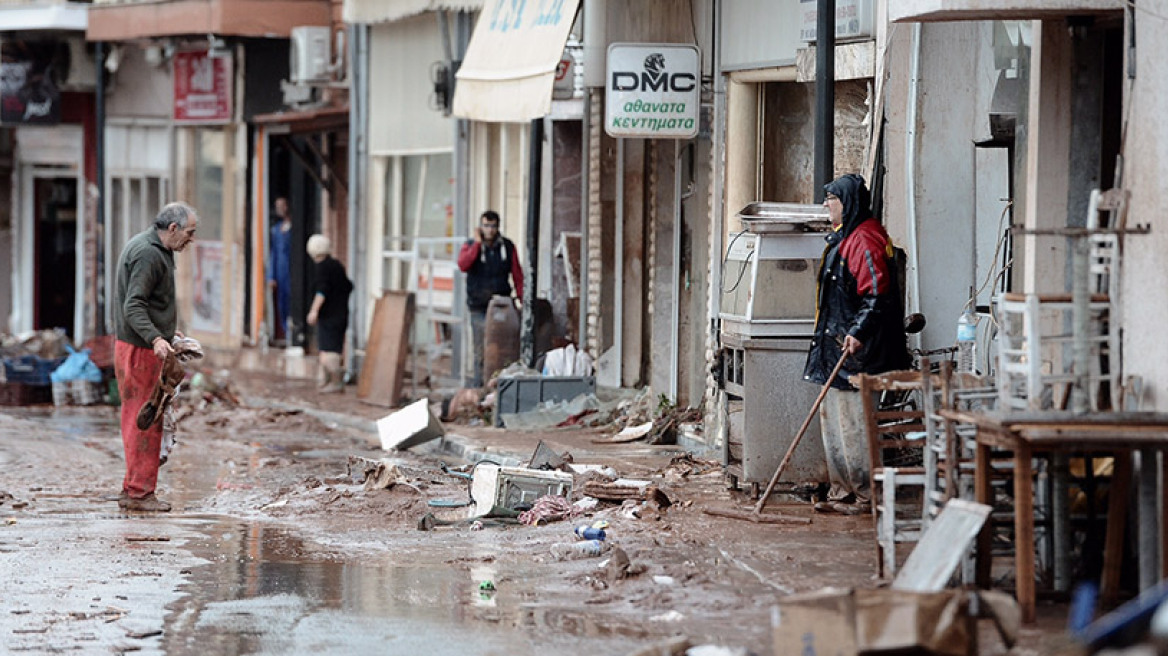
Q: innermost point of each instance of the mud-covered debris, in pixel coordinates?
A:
(625, 489)
(619, 567)
(377, 474)
(4, 497)
(465, 405)
(548, 508)
(676, 646)
(686, 464)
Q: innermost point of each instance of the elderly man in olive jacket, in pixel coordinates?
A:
(145, 319)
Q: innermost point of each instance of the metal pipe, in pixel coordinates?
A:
(824, 96)
(99, 210)
(535, 165)
(910, 168)
(585, 254)
(618, 339)
(675, 298)
(1148, 524)
(461, 170)
(358, 167)
(595, 46)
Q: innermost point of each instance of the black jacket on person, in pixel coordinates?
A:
(331, 282)
(858, 295)
(489, 269)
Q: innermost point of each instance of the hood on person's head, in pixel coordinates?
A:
(855, 199)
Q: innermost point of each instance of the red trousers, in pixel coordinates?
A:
(137, 370)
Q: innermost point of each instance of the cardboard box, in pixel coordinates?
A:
(865, 622)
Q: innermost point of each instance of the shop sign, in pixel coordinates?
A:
(202, 87)
(853, 19)
(29, 74)
(653, 91)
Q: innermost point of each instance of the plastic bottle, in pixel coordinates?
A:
(966, 342)
(577, 550)
(586, 532)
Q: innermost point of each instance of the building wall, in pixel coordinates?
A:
(400, 91)
(1145, 299)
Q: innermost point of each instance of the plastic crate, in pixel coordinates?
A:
(30, 370)
(523, 393)
(14, 394)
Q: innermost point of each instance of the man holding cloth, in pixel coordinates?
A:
(145, 318)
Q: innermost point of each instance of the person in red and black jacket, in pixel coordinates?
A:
(487, 260)
(859, 311)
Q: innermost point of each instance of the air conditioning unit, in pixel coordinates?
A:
(309, 54)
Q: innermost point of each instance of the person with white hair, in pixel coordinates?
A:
(329, 312)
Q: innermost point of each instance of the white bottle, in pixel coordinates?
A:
(966, 342)
(576, 550)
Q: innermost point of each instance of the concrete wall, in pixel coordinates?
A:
(993, 9)
(1144, 296)
(955, 186)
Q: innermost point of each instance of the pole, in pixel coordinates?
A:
(824, 96)
(99, 324)
(527, 334)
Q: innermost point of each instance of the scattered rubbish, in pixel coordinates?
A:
(1128, 624)
(663, 580)
(604, 470)
(143, 633)
(567, 361)
(18, 505)
(476, 525)
(578, 550)
(547, 509)
(545, 458)
(675, 646)
(147, 538)
(487, 586)
(501, 491)
(547, 413)
(521, 394)
(586, 532)
(934, 559)
(622, 489)
(275, 504)
(853, 622)
(10, 521)
(586, 504)
(618, 566)
(669, 616)
(412, 425)
(716, 650)
(631, 433)
(378, 474)
(466, 404)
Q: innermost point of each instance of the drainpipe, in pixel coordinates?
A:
(358, 161)
(535, 165)
(910, 167)
(824, 96)
(99, 209)
(461, 170)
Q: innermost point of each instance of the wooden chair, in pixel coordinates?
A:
(896, 443)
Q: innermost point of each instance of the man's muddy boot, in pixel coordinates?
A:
(148, 503)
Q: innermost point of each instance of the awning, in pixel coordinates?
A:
(510, 65)
(953, 10)
(254, 18)
(63, 16)
(386, 11)
(320, 119)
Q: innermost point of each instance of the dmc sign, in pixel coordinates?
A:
(653, 91)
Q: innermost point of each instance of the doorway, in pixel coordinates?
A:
(55, 252)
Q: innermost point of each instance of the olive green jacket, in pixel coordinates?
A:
(144, 305)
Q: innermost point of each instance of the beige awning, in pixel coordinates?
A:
(510, 65)
(952, 10)
(387, 11)
(60, 16)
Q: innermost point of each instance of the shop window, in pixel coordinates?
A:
(210, 155)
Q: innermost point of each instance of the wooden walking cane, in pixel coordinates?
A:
(756, 515)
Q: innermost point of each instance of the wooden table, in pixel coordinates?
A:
(1025, 434)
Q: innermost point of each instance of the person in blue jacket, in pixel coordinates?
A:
(279, 271)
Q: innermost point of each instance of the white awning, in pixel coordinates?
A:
(952, 10)
(64, 16)
(510, 65)
(386, 11)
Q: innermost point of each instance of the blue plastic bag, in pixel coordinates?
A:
(77, 366)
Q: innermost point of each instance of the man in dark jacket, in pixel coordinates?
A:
(859, 312)
(145, 319)
(487, 260)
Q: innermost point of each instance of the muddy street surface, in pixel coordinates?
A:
(275, 546)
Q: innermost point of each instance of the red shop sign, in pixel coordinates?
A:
(202, 88)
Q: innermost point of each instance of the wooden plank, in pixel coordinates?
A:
(386, 350)
(1024, 532)
(1116, 523)
(984, 494)
(933, 561)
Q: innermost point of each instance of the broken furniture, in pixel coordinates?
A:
(896, 444)
(1049, 434)
(767, 318)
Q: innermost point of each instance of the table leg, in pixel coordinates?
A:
(1117, 496)
(1024, 531)
(985, 539)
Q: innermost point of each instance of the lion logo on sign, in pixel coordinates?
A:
(655, 65)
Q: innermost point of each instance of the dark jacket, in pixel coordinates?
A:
(331, 282)
(144, 306)
(858, 295)
(487, 267)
